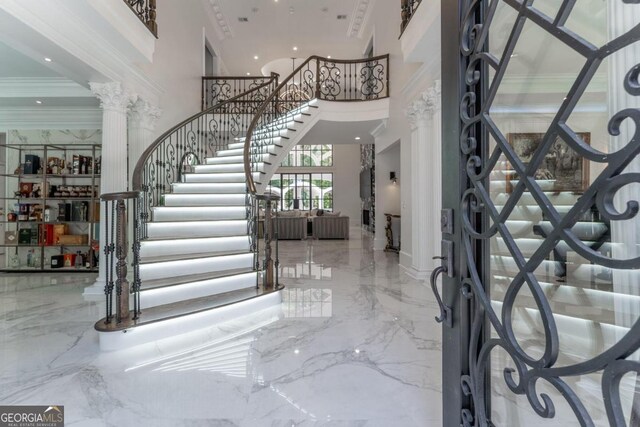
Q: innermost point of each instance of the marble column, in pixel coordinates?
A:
(142, 122)
(424, 115)
(114, 101)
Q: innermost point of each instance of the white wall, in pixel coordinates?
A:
(178, 59)
(346, 181)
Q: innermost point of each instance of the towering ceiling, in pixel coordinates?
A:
(269, 29)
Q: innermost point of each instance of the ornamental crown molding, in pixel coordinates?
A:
(359, 18)
(113, 96)
(144, 114)
(221, 21)
(417, 112)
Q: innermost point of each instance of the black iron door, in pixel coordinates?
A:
(541, 231)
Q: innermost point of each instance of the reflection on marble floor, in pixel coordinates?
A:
(353, 344)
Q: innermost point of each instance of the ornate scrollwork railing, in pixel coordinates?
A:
(316, 78)
(407, 10)
(189, 143)
(493, 329)
(146, 11)
(217, 89)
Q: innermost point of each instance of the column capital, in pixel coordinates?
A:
(417, 112)
(427, 103)
(144, 114)
(432, 96)
(112, 96)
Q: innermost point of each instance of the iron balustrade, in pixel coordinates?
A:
(407, 10)
(146, 11)
(222, 88)
(117, 208)
(317, 78)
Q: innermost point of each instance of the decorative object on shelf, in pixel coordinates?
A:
(562, 167)
(31, 164)
(392, 177)
(10, 237)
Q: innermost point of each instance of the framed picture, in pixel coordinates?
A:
(563, 169)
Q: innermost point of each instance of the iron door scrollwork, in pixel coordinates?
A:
(488, 219)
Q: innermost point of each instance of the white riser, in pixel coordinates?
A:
(175, 200)
(226, 160)
(209, 188)
(188, 213)
(561, 199)
(529, 245)
(507, 265)
(222, 160)
(256, 308)
(193, 246)
(226, 168)
(231, 152)
(170, 294)
(165, 230)
(163, 270)
(500, 186)
(218, 177)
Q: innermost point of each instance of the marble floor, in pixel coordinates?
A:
(353, 344)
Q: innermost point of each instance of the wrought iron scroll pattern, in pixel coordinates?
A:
(146, 11)
(527, 371)
(218, 89)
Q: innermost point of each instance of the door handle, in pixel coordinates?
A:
(446, 315)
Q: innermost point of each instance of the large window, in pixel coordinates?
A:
(304, 191)
(303, 156)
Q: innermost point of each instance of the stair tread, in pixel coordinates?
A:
(160, 239)
(183, 257)
(185, 308)
(190, 278)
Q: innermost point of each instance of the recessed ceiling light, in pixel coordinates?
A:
(256, 57)
(328, 56)
(357, 138)
(38, 101)
(47, 59)
(514, 55)
(248, 74)
(295, 48)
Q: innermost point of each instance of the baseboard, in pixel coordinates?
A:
(421, 275)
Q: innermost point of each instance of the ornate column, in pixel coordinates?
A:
(142, 122)
(424, 117)
(114, 100)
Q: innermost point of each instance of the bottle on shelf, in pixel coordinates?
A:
(78, 261)
(15, 260)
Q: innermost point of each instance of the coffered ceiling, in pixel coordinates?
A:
(270, 29)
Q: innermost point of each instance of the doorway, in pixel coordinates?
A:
(541, 233)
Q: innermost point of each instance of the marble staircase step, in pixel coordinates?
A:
(163, 268)
(198, 213)
(149, 249)
(171, 320)
(195, 200)
(191, 229)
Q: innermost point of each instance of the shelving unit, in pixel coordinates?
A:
(60, 198)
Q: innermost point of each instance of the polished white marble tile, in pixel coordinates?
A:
(353, 344)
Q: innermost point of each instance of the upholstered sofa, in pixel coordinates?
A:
(331, 227)
(291, 228)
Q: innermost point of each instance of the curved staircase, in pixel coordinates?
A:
(196, 252)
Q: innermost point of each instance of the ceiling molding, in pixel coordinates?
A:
(220, 20)
(359, 17)
(377, 131)
(43, 87)
(50, 118)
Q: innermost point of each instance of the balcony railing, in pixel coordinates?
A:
(218, 89)
(146, 11)
(408, 9)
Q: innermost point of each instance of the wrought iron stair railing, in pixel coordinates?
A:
(316, 78)
(408, 8)
(216, 89)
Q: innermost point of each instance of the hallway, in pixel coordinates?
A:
(353, 344)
